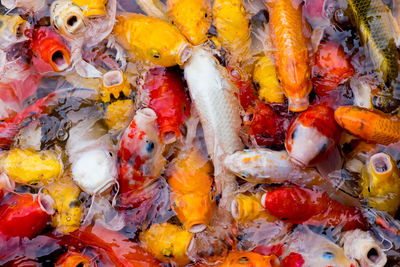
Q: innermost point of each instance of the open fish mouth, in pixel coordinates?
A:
(60, 60)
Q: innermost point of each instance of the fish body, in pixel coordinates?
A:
(114, 84)
(246, 95)
(140, 157)
(92, 8)
(264, 125)
(67, 18)
(191, 17)
(264, 75)
(331, 67)
(12, 30)
(361, 246)
(24, 215)
(10, 126)
(50, 53)
(291, 55)
(245, 208)
(305, 206)
(165, 91)
(371, 125)
(67, 217)
(232, 24)
(167, 242)
(34, 168)
(213, 95)
(312, 135)
(119, 114)
(191, 191)
(249, 259)
(151, 40)
(380, 183)
(120, 250)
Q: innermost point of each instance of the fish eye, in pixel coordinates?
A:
(205, 15)
(155, 53)
(150, 146)
(243, 260)
(327, 255)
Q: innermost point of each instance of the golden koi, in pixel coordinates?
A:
(371, 125)
(191, 17)
(249, 259)
(114, 83)
(291, 53)
(119, 114)
(152, 40)
(92, 8)
(191, 195)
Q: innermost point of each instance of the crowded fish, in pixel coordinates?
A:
(254, 133)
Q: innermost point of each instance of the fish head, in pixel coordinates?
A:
(74, 259)
(114, 83)
(12, 28)
(67, 18)
(249, 259)
(330, 67)
(192, 18)
(50, 53)
(328, 254)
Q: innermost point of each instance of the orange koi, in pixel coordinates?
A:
(291, 53)
(75, 259)
(191, 195)
(371, 125)
(249, 259)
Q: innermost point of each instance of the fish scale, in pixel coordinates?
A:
(374, 21)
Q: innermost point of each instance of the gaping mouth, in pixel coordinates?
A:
(74, 23)
(60, 60)
(112, 78)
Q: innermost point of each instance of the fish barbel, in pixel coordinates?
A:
(291, 53)
(214, 98)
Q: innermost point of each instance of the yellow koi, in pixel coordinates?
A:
(119, 114)
(92, 8)
(114, 83)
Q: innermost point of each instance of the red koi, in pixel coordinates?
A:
(293, 260)
(169, 100)
(140, 159)
(265, 125)
(50, 53)
(119, 248)
(25, 215)
(10, 127)
(330, 67)
(312, 135)
(305, 206)
(277, 250)
(245, 85)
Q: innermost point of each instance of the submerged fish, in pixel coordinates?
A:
(380, 183)
(371, 125)
(191, 17)
(152, 40)
(213, 95)
(119, 114)
(167, 242)
(12, 30)
(249, 259)
(191, 191)
(74, 259)
(312, 135)
(291, 55)
(361, 246)
(164, 92)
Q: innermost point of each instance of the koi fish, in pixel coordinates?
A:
(119, 114)
(291, 54)
(245, 208)
(25, 215)
(305, 206)
(25, 5)
(68, 210)
(249, 259)
(34, 168)
(195, 26)
(166, 95)
(167, 242)
(232, 24)
(152, 40)
(114, 84)
(140, 157)
(92, 8)
(12, 30)
(50, 53)
(67, 19)
(10, 126)
(380, 183)
(265, 78)
(293, 260)
(118, 247)
(246, 95)
(371, 125)
(361, 246)
(191, 191)
(213, 95)
(312, 135)
(330, 67)
(74, 259)
(264, 125)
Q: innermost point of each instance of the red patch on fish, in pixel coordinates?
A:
(293, 260)
(330, 67)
